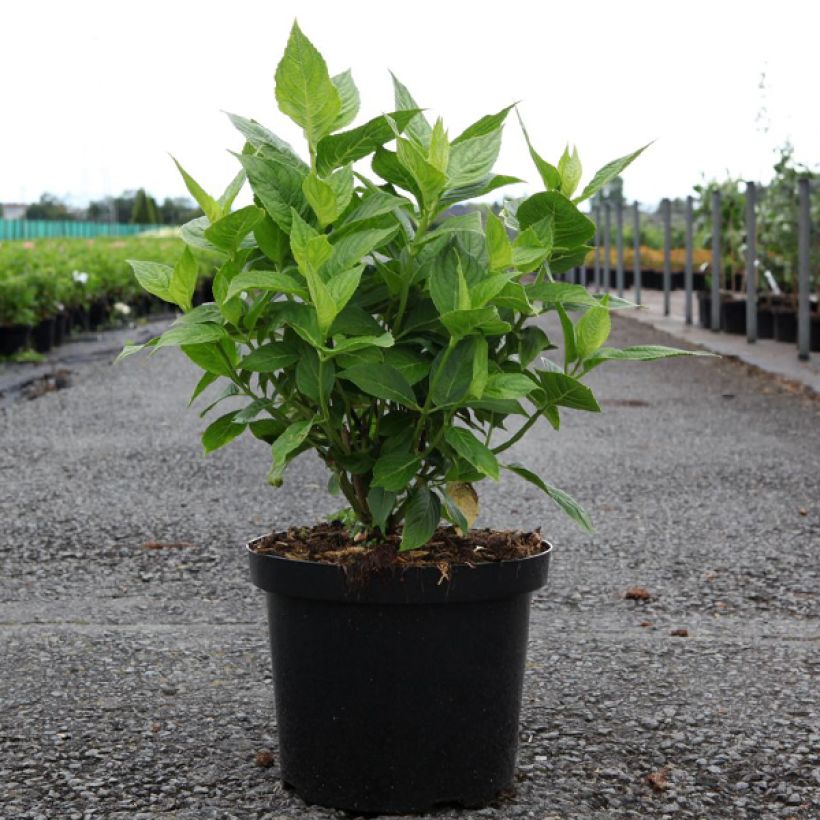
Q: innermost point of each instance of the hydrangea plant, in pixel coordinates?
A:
(359, 317)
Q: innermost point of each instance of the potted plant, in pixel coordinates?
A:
(354, 316)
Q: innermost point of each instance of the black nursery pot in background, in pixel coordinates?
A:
(402, 694)
(13, 338)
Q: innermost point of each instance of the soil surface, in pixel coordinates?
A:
(134, 661)
(330, 543)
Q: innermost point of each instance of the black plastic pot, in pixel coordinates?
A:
(733, 316)
(97, 313)
(785, 325)
(704, 308)
(404, 694)
(13, 338)
(42, 335)
(765, 323)
(60, 328)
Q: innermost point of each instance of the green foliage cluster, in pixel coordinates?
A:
(358, 319)
(36, 278)
(733, 221)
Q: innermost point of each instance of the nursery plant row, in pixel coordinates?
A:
(51, 287)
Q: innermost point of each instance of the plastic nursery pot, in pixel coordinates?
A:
(13, 338)
(733, 316)
(60, 327)
(765, 323)
(98, 313)
(401, 694)
(785, 325)
(42, 335)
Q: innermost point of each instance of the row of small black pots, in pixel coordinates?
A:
(650, 279)
(777, 322)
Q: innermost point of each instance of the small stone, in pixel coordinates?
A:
(264, 759)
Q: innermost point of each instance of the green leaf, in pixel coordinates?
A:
(347, 346)
(183, 280)
(259, 136)
(533, 340)
(349, 250)
(380, 502)
(428, 179)
(487, 289)
(349, 98)
(278, 186)
(472, 450)
(211, 357)
(395, 471)
(608, 173)
(563, 390)
(570, 339)
(640, 353)
(460, 323)
(202, 385)
(209, 205)
(272, 240)
(472, 159)
(548, 173)
(568, 504)
(220, 432)
(193, 234)
(229, 231)
(569, 167)
(386, 164)
(232, 190)
(508, 386)
(191, 335)
(417, 127)
(343, 285)
(376, 203)
(452, 378)
(408, 362)
(448, 288)
(304, 90)
(349, 146)
(283, 448)
(381, 381)
(463, 223)
(477, 189)
(592, 331)
(321, 198)
(266, 280)
(307, 376)
(268, 358)
(486, 125)
(439, 152)
(153, 277)
(480, 368)
(570, 227)
(421, 518)
(499, 247)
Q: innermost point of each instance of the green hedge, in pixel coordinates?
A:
(38, 277)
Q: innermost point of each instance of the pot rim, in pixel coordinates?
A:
(296, 577)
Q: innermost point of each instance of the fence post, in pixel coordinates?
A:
(666, 205)
(751, 263)
(607, 233)
(636, 249)
(597, 248)
(717, 263)
(687, 271)
(619, 244)
(804, 227)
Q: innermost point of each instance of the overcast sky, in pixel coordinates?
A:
(96, 94)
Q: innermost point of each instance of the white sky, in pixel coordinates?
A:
(96, 94)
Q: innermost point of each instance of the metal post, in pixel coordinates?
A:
(687, 271)
(619, 244)
(582, 274)
(751, 263)
(804, 226)
(636, 245)
(597, 248)
(717, 264)
(607, 234)
(666, 206)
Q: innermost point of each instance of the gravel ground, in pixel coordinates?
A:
(135, 682)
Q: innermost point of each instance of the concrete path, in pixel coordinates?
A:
(135, 682)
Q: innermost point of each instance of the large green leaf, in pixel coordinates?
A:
(417, 127)
(569, 226)
(568, 504)
(486, 125)
(563, 390)
(350, 248)
(229, 231)
(452, 376)
(448, 287)
(608, 173)
(460, 323)
(220, 432)
(308, 376)
(640, 353)
(386, 164)
(508, 386)
(349, 98)
(195, 334)
(471, 449)
(381, 381)
(209, 205)
(395, 471)
(428, 179)
(284, 447)
(276, 281)
(420, 519)
(321, 198)
(592, 331)
(408, 362)
(473, 159)
(499, 247)
(380, 502)
(259, 136)
(268, 358)
(569, 167)
(304, 90)
(548, 173)
(278, 186)
(337, 150)
(211, 357)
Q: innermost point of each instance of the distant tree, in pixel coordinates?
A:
(178, 211)
(1, 210)
(145, 209)
(49, 207)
